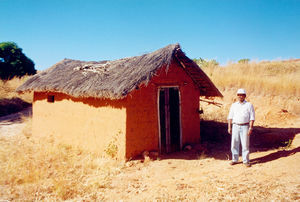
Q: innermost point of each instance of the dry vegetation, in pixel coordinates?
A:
(10, 100)
(8, 87)
(272, 87)
(36, 169)
(33, 168)
(262, 78)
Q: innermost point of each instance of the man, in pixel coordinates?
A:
(241, 117)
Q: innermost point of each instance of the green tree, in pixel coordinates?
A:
(244, 61)
(206, 63)
(13, 62)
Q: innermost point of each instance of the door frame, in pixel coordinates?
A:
(158, 114)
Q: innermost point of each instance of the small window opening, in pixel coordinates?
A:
(50, 98)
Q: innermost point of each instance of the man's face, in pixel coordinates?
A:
(241, 97)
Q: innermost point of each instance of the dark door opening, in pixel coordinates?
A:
(169, 120)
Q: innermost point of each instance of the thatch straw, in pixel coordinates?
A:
(107, 79)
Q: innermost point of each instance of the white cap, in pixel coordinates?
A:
(241, 91)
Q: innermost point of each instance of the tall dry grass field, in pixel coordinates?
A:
(272, 87)
(262, 78)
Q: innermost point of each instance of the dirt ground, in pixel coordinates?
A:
(202, 173)
(274, 176)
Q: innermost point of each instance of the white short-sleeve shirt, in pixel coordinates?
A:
(241, 112)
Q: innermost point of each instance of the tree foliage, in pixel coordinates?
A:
(206, 63)
(13, 62)
(244, 61)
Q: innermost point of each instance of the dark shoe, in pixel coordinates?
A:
(233, 163)
(248, 165)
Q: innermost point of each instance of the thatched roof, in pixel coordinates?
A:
(114, 79)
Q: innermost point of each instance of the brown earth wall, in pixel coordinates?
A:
(95, 125)
(142, 131)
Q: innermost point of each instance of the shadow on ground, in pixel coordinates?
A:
(16, 117)
(215, 143)
(274, 156)
(12, 105)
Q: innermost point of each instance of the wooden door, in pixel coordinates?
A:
(169, 114)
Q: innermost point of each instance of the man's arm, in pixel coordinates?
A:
(250, 127)
(229, 126)
(252, 118)
(229, 118)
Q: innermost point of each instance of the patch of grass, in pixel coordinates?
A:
(112, 148)
(288, 143)
(34, 168)
(202, 155)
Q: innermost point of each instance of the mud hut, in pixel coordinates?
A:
(122, 107)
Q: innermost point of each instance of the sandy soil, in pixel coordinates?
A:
(274, 175)
(201, 174)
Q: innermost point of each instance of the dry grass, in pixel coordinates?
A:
(37, 169)
(263, 78)
(10, 100)
(272, 87)
(270, 110)
(7, 89)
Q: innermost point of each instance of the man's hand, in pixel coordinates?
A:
(229, 126)
(229, 131)
(250, 131)
(250, 127)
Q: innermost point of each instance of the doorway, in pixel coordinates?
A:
(169, 116)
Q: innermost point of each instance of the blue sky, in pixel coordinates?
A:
(226, 30)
